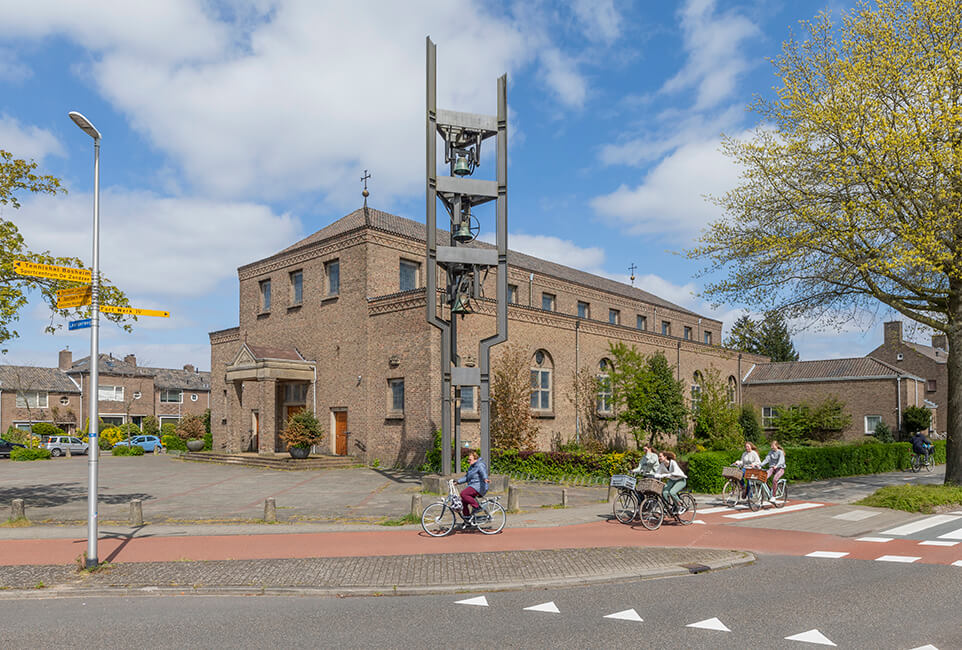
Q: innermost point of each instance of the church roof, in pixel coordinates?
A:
(823, 370)
(400, 226)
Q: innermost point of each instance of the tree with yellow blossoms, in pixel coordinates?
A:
(851, 188)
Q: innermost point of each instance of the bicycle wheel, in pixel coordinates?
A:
(929, 463)
(755, 495)
(731, 493)
(437, 520)
(686, 511)
(781, 493)
(652, 512)
(492, 519)
(625, 507)
(916, 462)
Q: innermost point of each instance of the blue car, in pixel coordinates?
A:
(147, 442)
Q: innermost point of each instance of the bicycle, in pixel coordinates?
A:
(625, 505)
(439, 518)
(733, 492)
(656, 504)
(922, 460)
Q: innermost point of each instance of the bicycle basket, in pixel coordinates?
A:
(650, 485)
(731, 472)
(623, 481)
(756, 474)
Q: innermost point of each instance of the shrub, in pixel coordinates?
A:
(208, 441)
(111, 436)
(120, 451)
(174, 442)
(883, 433)
(191, 427)
(133, 450)
(432, 459)
(25, 453)
(914, 498)
(915, 419)
(168, 429)
(149, 426)
(136, 450)
(821, 422)
(302, 430)
(46, 429)
(751, 428)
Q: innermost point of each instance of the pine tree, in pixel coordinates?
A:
(774, 339)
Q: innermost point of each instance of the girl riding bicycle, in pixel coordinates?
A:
(776, 468)
(749, 459)
(676, 479)
(477, 480)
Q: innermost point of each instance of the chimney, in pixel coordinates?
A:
(940, 342)
(893, 332)
(131, 359)
(66, 359)
(189, 368)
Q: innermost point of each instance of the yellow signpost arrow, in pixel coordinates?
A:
(133, 311)
(76, 297)
(22, 267)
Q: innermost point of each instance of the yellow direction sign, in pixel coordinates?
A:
(49, 271)
(76, 297)
(132, 311)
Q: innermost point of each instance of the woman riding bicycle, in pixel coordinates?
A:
(647, 463)
(749, 459)
(676, 479)
(477, 480)
(776, 468)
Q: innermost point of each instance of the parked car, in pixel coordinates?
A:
(6, 447)
(147, 442)
(58, 445)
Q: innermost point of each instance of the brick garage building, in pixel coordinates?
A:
(336, 323)
(927, 361)
(871, 390)
(128, 393)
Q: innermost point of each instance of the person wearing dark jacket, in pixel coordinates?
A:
(921, 445)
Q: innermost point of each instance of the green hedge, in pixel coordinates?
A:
(554, 465)
(174, 442)
(25, 453)
(133, 450)
(805, 464)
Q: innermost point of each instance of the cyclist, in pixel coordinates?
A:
(922, 446)
(676, 479)
(477, 480)
(749, 459)
(776, 468)
(648, 462)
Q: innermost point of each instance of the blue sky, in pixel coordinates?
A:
(230, 130)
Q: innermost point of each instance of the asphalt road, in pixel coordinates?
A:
(851, 604)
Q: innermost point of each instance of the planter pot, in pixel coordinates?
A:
(195, 445)
(299, 452)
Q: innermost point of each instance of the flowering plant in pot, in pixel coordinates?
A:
(302, 432)
(191, 430)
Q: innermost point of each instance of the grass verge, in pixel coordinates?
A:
(400, 521)
(914, 498)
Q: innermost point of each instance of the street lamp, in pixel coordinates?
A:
(94, 451)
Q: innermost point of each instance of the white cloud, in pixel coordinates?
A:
(670, 200)
(27, 142)
(555, 249)
(161, 247)
(600, 19)
(11, 69)
(561, 74)
(715, 59)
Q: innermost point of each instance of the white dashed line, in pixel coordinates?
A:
(855, 515)
(878, 540)
(773, 511)
(920, 525)
(711, 511)
(905, 559)
(934, 542)
(827, 554)
(955, 534)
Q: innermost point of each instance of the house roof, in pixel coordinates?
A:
(262, 352)
(51, 380)
(162, 377)
(936, 354)
(823, 370)
(396, 225)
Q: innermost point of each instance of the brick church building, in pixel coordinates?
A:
(336, 323)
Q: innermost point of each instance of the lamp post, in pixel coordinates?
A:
(93, 457)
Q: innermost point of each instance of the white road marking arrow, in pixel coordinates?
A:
(710, 624)
(627, 615)
(928, 646)
(812, 636)
(480, 601)
(549, 607)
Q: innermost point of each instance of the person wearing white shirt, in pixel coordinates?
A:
(749, 459)
(647, 463)
(776, 468)
(676, 479)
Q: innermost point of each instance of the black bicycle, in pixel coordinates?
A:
(656, 505)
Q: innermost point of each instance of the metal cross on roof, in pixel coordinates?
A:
(365, 193)
(631, 269)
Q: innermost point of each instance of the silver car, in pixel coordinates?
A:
(58, 445)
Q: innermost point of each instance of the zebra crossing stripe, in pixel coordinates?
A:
(874, 539)
(905, 559)
(711, 511)
(773, 511)
(955, 534)
(827, 554)
(920, 525)
(933, 542)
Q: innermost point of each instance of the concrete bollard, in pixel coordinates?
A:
(68, 452)
(156, 450)
(416, 509)
(513, 500)
(612, 493)
(564, 497)
(270, 510)
(17, 510)
(136, 513)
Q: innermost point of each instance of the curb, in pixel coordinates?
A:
(742, 558)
